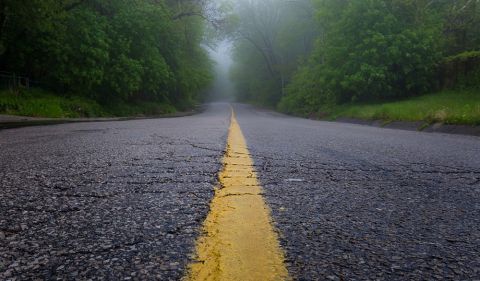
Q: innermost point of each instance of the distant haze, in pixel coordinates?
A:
(222, 88)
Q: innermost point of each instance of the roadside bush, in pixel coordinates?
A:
(461, 71)
(39, 103)
(368, 53)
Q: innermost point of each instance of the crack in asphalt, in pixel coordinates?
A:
(75, 196)
(369, 204)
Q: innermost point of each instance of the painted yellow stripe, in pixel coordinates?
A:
(239, 242)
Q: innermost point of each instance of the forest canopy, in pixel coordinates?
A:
(304, 55)
(117, 50)
(299, 56)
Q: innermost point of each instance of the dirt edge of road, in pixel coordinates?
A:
(420, 126)
(12, 121)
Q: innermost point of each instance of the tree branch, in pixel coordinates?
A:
(73, 5)
(189, 14)
(262, 52)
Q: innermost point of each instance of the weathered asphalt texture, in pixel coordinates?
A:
(112, 200)
(355, 202)
(119, 200)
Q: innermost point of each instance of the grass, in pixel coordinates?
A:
(40, 103)
(448, 107)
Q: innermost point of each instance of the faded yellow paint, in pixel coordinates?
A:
(239, 242)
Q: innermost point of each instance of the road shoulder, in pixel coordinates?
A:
(420, 126)
(14, 121)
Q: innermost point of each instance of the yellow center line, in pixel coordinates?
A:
(239, 241)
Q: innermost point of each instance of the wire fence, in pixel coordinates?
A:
(12, 81)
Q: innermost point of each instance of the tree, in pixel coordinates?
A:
(369, 50)
(270, 37)
(113, 51)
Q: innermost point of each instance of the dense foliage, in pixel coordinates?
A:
(304, 56)
(118, 50)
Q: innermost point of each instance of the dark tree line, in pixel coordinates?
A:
(304, 55)
(108, 50)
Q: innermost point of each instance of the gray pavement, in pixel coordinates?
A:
(15, 121)
(110, 200)
(120, 200)
(4, 118)
(356, 202)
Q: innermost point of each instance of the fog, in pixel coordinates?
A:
(222, 88)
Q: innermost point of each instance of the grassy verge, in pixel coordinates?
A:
(39, 103)
(448, 107)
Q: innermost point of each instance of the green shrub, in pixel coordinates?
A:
(461, 71)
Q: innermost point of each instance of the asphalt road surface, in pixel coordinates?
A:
(126, 200)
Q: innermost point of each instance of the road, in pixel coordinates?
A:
(127, 200)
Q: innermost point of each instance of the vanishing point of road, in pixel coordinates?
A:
(237, 193)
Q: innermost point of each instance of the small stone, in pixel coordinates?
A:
(395, 267)
(294, 180)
